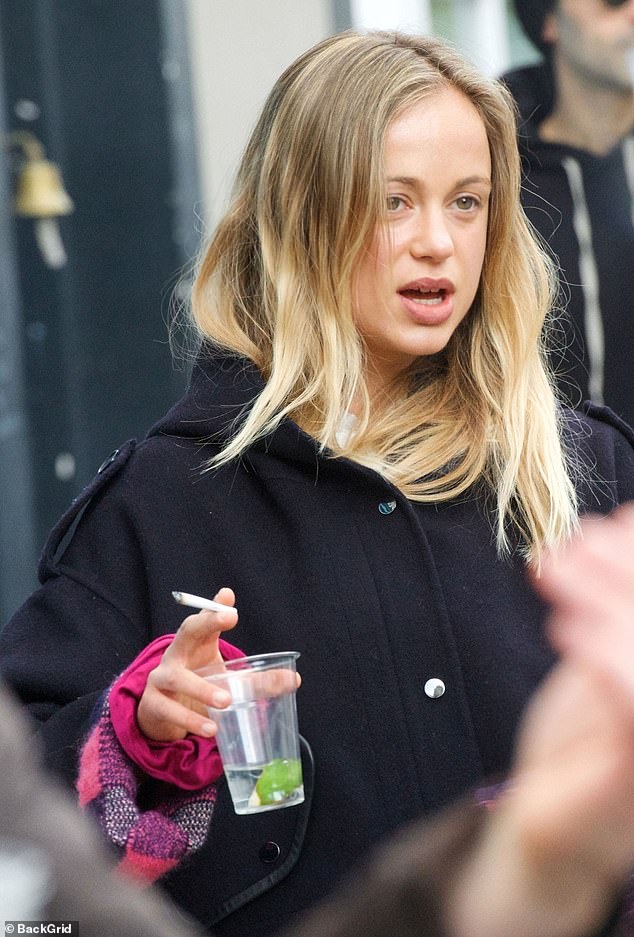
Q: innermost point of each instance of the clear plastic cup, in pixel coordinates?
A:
(258, 737)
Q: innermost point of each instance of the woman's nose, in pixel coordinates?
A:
(431, 237)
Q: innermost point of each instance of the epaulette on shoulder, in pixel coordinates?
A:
(63, 531)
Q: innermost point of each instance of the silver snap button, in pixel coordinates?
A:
(386, 507)
(434, 688)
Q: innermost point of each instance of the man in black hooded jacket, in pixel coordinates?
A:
(577, 139)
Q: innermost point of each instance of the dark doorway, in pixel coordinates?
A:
(104, 85)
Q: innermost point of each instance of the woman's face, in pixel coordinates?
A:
(419, 280)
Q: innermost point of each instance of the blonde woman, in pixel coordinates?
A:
(370, 455)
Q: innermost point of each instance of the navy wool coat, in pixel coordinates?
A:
(419, 646)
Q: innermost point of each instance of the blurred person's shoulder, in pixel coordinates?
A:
(601, 446)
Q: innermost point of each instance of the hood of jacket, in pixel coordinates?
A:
(533, 90)
(222, 389)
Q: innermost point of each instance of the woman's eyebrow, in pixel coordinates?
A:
(404, 180)
(474, 180)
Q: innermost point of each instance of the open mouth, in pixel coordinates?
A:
(424, 297)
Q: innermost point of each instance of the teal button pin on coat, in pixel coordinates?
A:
(386, 507)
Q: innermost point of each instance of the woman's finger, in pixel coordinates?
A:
(200, 633)
(181, 682)
(166, 720)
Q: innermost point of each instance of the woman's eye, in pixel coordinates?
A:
(467, 202)
(394, 202)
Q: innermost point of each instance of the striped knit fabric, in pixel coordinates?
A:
(151, 841)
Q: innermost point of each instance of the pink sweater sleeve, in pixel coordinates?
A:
(189, 763)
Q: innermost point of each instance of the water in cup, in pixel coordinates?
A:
(258, 736)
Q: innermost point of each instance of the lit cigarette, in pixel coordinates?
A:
(197, 601)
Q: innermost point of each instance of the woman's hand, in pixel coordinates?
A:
(175, 698)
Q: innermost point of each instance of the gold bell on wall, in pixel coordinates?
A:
(39, 191)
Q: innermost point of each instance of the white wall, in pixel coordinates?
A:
(405, 15)
(482, 33)
(238, 49)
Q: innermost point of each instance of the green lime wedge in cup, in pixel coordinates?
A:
(278, 780)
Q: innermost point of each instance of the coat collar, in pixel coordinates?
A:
(222, 389)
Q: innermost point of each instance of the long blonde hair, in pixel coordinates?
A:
(276, 285)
